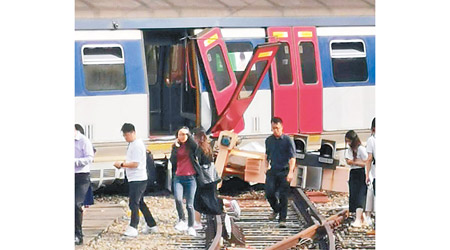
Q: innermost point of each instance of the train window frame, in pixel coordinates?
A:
(92, 60)
(244, 94)
(349, 54)
(231, 49)
(290, 64)
(213, 69)
(300, 52)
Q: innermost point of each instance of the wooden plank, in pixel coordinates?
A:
(98, 217)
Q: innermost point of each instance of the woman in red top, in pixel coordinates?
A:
(184, 184)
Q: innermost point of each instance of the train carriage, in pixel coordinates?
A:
(321, 79)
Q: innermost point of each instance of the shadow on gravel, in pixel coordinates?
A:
(235, 186)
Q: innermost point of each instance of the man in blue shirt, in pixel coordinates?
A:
(280, 153)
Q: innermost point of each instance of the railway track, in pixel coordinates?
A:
(305, 228)
(259, 231)
(186, 242)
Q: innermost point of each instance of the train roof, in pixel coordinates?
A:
(154, 14)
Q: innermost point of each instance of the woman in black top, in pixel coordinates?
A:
(206, 200)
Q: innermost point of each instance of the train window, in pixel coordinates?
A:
(308, 62)
(283, 60)
(250, 83)
(240, 54)
(218, 68)
(349, 60)
(104, 67)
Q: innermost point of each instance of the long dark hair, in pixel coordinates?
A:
(203, 143)
(355, 142)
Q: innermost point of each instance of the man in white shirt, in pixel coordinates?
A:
(370, 166)
(370, 174)
(136, 171)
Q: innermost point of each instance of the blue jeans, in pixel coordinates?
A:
(184, 187)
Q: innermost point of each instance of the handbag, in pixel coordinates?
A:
(207, 174)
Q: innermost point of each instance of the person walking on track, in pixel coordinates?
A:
(280, 153)
(84, 155)
(184, 184)
(356, 157)
(136, 171)
(370, 175)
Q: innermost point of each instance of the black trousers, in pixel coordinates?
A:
(136, 203)
(82, 183)
(276, 183)
(358, 189)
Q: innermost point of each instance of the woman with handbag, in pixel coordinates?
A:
(184, 183)
(206, 200)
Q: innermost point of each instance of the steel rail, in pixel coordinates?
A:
(215, 244)
(320, 228)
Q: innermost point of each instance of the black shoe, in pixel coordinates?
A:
(273, 216)
(78, 241)
(282, 224)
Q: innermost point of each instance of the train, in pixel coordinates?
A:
(319, 77)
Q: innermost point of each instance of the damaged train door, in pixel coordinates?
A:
(246, 90)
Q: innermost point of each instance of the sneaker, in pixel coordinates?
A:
(356, 223)
(282, 224)
(367, 221)
(131, 232)
(192, 232)
(78, 241)
(236, 208)
(198, 226)
(273, 216)
(147, 229)
(227, 222)
(181, 226)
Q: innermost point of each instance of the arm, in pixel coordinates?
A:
(290, 176)
(368, 167)
(357, 162)
(120, 165)
(134, 156)
(192, 144)
(267, 154)
(88, 155)
(292, 160)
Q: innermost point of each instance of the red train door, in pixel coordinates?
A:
(306, 54)
(220, 75)
(284, 79)
(245, 92)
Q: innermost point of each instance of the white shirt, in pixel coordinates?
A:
(136, 153)
(371, 149)
(360, 154)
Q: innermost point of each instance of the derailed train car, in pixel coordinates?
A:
(321, 78)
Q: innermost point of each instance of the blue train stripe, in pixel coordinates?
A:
(326, 65)
(135, 72)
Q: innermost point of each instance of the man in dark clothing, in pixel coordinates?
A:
(280, 153)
